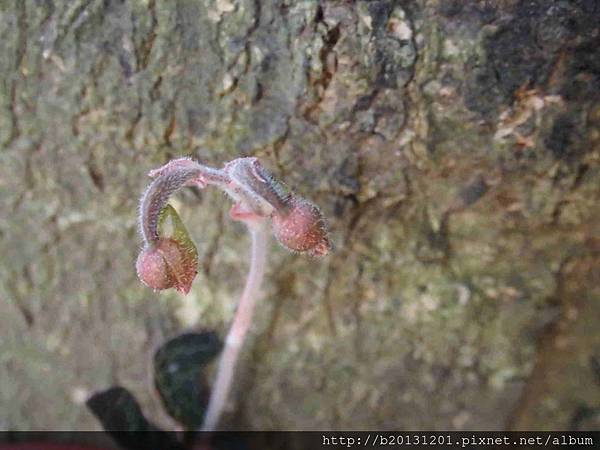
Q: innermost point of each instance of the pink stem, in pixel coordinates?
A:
(239, 327)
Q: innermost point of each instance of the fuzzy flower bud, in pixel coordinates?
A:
(301, 228)
(171, 259)
(167, 264)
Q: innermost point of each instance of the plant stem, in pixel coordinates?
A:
(157, 195)
(239, 327)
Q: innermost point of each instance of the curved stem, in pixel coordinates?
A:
(168, 179)
(239, 327)
(155, 198)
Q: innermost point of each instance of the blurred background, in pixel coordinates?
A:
(453, 146)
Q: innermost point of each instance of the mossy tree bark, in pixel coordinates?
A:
(454, 147)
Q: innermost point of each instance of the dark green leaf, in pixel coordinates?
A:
(179, 375)
(121, 416)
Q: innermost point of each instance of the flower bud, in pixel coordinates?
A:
(302, 228)
(165, 264)
(152, 270)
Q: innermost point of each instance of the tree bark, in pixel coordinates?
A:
(453, 146)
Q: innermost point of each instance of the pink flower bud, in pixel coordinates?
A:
(165, 264)
(302, 228)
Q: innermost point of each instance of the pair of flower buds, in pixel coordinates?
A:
(169, 257)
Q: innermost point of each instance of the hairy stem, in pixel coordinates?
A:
(168, 179)
(239, 327)
(156, 197)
